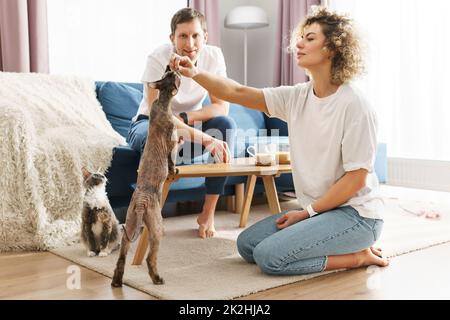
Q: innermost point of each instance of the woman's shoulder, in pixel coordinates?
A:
(302, 85)
(356, 100)
(294, 91)
(301, 88)
(355, 97)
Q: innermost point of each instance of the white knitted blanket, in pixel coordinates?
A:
(50, 126)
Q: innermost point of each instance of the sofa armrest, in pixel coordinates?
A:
(123, 171)
(381, 163)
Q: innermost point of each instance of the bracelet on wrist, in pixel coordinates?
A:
(311, 211)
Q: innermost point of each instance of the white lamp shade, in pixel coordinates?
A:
(246, 17)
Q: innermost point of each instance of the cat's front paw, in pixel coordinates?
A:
(103, 254)
(91, 254)
(180, 141)
(158, 280)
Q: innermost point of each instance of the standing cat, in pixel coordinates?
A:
(156, 163)
(99, 226)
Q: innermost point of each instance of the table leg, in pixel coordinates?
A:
(231, 204)
(251, 180)
(141, 248)
(143, 240)
(271, 193)
(239, 190)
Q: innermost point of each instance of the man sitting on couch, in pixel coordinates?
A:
(188, 37)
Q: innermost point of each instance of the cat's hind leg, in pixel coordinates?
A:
(120, 266)
(153, 221)
(125, 244)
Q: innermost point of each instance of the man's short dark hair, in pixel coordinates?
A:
(187, 15)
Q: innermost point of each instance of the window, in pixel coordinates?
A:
(408, 72)
(107, 39)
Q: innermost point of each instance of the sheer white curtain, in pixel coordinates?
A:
(408, 46)
(107, 39)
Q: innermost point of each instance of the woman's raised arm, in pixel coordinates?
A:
(221, 87)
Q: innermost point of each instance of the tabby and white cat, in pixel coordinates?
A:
(99, 226)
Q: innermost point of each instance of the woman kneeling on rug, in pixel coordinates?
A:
(332, 132)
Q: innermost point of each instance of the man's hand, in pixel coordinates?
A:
(218, 149)
(291, 217)
(183, 65)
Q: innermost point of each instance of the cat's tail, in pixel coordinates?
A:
(133, 225)
(135, 234)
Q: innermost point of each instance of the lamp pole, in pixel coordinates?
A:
(245, 57)
(246, 17)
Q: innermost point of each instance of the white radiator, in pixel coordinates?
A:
(423, 174)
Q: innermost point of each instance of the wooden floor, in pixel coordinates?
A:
(423, 274)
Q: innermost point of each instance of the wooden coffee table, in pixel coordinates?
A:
(237, 167)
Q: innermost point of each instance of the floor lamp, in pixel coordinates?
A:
(246, 17)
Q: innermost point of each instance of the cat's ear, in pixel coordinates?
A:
(155, 85)
(86, 173)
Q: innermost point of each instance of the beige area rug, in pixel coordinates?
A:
(212, 269)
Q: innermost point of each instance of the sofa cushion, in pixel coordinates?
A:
(120, 103)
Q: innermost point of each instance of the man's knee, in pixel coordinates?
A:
(222, 128)
(222, 123)
(137, 136)
(137, 140)
(227, 122)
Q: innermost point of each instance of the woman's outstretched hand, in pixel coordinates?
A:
(290, 218)
(183, 65)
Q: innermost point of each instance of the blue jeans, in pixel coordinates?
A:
(304, 247)
(137, 137)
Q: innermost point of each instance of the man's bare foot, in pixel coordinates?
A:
(371, 256)
(206, 226)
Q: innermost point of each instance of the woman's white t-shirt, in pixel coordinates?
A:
(190, 94)
(328, 137)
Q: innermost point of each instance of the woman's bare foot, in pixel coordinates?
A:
(371, 256)
(206, 226)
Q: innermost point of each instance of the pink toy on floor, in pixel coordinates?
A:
(427, 213)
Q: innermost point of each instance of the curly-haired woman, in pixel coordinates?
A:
(332, 132)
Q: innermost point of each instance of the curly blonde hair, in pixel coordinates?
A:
(341, 38)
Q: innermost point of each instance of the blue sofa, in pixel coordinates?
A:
(120, 102)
